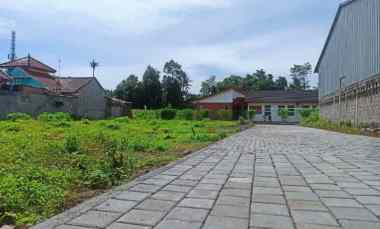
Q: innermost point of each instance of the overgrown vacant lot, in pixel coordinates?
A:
(53, 163)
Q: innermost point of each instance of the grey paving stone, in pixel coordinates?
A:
(271, 221)
(313, 217)
(188, 214)
(375, 200)
(127, 226)
(332, 193)
(203, 194)
(270, 209)
(182, 182)
(362, 192)
(156, 205)
(334, 202)
(170, 196)
(130, 195)
(177, 188)
(196, 203)
(215, 222)
(267, 190)
(235, 192)
(230, 211)
(63, 227)
(301, 196)
(353, 214)
(142, 217)
(212, 187)
(349, 224)
(233, 200)
(374, 208)
(264, 198)
(96, 219)
(315, 226)
(114, 205)
(171, 224)
(148, 188)
(306, 205)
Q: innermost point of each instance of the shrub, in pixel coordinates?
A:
(71, 144)
(251, 114)
(13, 127)
(122, 119)
(283, 113)
(186, 114)
(168, 114)
(225, 115)
(305, 112)
(146, 114)
(53, 117)
(18, 116)
(242, 120)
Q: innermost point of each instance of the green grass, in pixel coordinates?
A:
(48, 165)
(314, 120)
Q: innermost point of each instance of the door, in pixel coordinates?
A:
(268, 113)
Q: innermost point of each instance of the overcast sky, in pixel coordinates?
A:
(208, 37)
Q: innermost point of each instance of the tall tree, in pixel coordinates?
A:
(131, 90)
(259, 80)
(152, 88)
(209, 86)
(300, 75)
(233, 81)
(281, 83)
(175, 70)
(172, 94)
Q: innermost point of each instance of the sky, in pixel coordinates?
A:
(207, 37)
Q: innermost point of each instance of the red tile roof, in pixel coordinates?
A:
(28, 62)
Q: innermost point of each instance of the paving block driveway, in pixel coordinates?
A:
(278, 177)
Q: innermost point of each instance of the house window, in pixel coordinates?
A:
(257, 108)
(292, 110)
(305, 107)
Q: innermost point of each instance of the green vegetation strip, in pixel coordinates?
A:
(52, 163)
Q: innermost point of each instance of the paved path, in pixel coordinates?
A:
(276, 177)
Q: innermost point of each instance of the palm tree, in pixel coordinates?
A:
(94, 65)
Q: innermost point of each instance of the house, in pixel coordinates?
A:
(31, 76)
(229, 99)
(349, 65)
(33, 88)
(222, 101)
(3, 78)
(267, 104)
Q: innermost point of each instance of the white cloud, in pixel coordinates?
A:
(132, 16)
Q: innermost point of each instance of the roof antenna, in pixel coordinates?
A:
(12, 54)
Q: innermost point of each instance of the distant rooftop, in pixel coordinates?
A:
(28, 62)
(277, 96)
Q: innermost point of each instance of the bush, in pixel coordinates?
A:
(146, 114)
(186, 114)
(18, 116)
(306, 112)
(242, 120)
(71, 144)
(251, 114)
(283, 113)
(168, 114)
(225, 115)
(54, 117)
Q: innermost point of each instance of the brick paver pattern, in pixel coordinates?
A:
(279, 177)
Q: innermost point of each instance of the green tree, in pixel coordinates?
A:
(281, 83)
(131, 90)
(209, 87)
(174, 70)
(172, 94)
(300, 75)
(152, 88)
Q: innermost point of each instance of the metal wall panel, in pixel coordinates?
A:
(353, 50)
